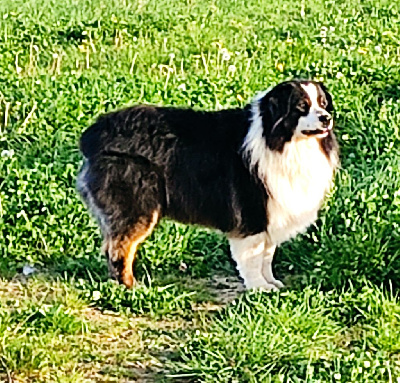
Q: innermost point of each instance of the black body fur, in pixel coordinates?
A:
(186, 162)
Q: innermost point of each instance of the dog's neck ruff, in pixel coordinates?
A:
(296, 179)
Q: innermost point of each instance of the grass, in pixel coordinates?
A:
(63, 64)
(298, 337)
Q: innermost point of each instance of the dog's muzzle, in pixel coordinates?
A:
(326, 126)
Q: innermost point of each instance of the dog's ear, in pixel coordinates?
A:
(269, 111)
(273, 108)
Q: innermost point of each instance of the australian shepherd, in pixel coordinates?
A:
(258, 174)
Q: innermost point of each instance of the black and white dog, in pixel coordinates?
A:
(258, 174)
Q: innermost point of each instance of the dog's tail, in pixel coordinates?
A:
(95, 137)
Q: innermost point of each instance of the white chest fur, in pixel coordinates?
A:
(297, 181)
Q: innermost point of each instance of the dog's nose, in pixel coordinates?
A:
(325, 117)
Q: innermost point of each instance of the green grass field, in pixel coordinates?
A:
(63, 63)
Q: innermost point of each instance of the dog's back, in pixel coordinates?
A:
(148, 130)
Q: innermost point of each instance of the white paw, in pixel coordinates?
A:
(263, 285)
(269, 287)
(277, 283)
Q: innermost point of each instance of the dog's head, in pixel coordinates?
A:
(295, 110)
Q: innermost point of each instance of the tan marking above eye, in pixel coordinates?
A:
(322, 102)
(302, 105)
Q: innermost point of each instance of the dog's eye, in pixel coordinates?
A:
(302, 106)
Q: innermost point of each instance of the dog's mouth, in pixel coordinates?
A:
(318, 132)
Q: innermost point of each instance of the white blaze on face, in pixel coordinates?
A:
(312, 120)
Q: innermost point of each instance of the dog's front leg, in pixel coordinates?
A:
(267, 266)
(249, 254)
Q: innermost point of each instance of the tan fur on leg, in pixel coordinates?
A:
(122, 251)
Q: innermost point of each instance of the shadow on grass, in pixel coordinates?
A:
(298, 263)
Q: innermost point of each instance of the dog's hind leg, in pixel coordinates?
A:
(121, 249)
(126, 196)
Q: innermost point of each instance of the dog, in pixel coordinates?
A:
(259, 174)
